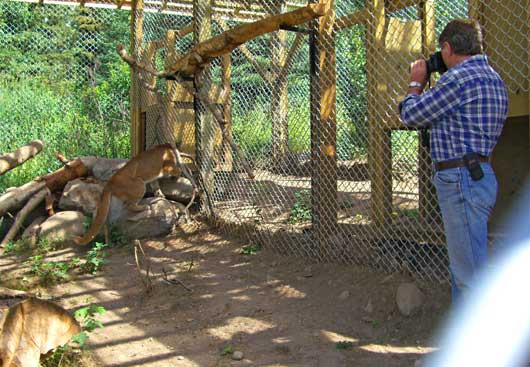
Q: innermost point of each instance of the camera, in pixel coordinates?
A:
(435, 63)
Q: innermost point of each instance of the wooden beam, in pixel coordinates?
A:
(323, 90)
(379, 148)
(137, 21)
(224, 43)
(279, 95)
(204, 126)
(427, 198)
(392, 6)
(226, 76)
(248, 54)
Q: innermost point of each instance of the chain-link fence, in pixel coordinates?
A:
(62, 81)
(314, 110)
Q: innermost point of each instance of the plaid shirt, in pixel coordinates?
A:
(465, 110)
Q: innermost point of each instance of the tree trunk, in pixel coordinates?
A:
(19, 156)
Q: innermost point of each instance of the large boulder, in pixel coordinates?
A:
(180, 190)
(157, 219)
(32, 232)
(82, 195)
(104, 168)
(63, 226)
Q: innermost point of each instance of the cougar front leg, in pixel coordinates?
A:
(135, 207)
(155, 187)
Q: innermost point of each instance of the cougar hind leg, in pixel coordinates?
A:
(135, 192)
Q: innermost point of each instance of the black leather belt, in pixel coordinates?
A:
(454, 163)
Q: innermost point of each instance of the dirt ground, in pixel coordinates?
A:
(276, 311)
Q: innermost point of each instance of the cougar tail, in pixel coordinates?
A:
(99, 220)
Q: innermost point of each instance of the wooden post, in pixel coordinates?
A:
(427, 198)
(323, 129)
(279, 98)
(137, 120)
(204, 126)
(226, 76)
(379, 152)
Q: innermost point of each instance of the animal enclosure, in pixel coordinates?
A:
(313, 108)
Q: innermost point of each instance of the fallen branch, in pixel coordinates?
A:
(19, 219)
(19, 156)
(174, 281)
(146, 279)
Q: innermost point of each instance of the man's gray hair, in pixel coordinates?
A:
(464, 36)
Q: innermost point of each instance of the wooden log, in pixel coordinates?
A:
(15, 199)
(19, 219)
(19, 156)
(224, 43)
(55, 181)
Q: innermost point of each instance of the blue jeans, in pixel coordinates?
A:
(466, 206)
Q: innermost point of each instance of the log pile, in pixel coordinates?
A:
(26, 198)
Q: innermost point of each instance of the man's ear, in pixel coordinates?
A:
(449, 48)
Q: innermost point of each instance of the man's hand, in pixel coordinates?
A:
(418, 72)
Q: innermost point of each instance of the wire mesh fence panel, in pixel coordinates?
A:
(62, 81)
(314, 110)
(311, 110)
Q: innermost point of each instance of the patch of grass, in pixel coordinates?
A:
(301, 210)
(251, 249)
(410, 213)
(227, 350)
(95, 259)
(344, 345)
(48, 272)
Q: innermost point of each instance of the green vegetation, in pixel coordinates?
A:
(62, 81)
(95, 259)
(344, 345)
(72, 354)
(301, 209)
(251, 249)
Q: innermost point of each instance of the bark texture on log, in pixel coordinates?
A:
(19, 156)
(55, 181)
(19, 219)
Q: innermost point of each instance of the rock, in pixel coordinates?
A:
(63, 226)
(104, 167)
(179, 190)
(409, 298)
(82, 195)
(31, 233)
(89, 162)
(237, 355)
(344, 295)
(156, 220)
(369, 307)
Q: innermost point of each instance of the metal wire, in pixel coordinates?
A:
(384, 212)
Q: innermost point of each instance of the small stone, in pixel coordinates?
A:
(408, 298)
(237, 355)
(369, 307)
(344, 295)
(180, 358)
